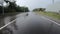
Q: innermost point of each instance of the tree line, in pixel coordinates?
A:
(39, 9)
(12, 7)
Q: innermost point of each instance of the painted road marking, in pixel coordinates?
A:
(51, 20)
(7, 24)
(10, 22)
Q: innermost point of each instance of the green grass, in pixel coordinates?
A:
(51, 14)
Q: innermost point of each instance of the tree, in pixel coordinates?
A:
(24, 9)
(13, 7)
(39, 9)
(0, 9)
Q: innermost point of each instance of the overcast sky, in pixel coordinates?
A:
(54, 7)
(31, 4)
(35, 3)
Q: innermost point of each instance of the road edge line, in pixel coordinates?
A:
(7, 24)
(52, 21)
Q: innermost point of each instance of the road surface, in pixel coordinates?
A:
(34, 24)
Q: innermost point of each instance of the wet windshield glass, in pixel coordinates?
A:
(29, 16)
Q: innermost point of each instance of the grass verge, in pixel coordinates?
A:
(50, 14)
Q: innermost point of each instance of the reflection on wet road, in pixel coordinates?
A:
(30, 23)
(10, 29)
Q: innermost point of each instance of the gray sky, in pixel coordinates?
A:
(35, 3)
(39, 4)
(54, 7)
(1, 2)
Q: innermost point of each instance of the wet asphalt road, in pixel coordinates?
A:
(33, 24)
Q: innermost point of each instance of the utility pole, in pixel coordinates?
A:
(2, 4)
(3, 7)
(24, 10)
(53, 1)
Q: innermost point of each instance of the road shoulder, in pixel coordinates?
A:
(51, 18)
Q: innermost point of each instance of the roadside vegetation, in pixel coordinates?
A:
(48, 13)
(12, 7)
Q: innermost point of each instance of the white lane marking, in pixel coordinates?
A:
(7, 24)
(10, 22)
(51, 20)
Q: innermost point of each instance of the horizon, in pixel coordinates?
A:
(32, 4)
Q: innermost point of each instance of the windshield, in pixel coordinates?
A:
(29, 16)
